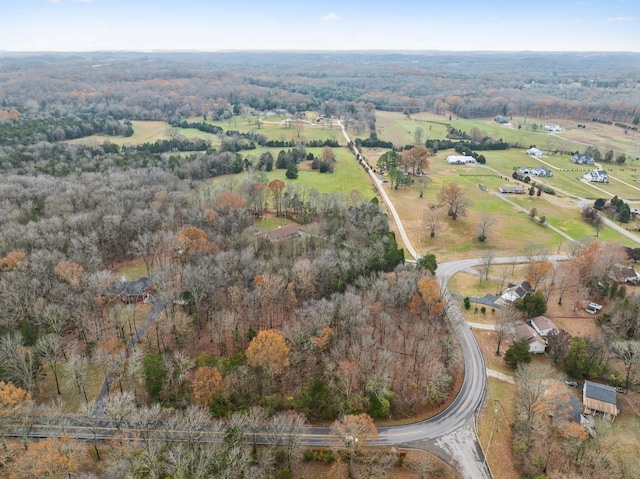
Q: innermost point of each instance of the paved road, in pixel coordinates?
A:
(450, 434)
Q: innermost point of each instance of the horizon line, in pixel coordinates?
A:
(379, 50)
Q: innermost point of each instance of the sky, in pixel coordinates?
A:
(213, 25)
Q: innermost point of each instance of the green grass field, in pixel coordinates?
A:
(513, 228)
(347, 177)
(146, 132)
(274, 128)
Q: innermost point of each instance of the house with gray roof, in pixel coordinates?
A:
(515, 190)
(132, 291)
(583, 159)
(541, 171)
(600, 398)
(597, 176)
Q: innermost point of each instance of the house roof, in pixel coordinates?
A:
(600, 392)
(627, 273)
(582, 157)
(284, 232)
(511, 189)
(131, 288)
(524, 331)
(521, 289)
(542, 323)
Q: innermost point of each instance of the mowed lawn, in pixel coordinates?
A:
(513, 228)
(348, 175)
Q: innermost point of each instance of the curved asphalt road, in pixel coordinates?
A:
(449, 434)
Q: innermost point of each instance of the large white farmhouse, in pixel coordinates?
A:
(597, 176)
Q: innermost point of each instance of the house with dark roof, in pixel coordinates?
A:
(627, 275)
(583, 159)
(132, 291)
(536, 343)
(600, 398)
(543, 326)
(516, 291)
(501, 119)
(515, 190)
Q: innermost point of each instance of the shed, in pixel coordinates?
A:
(600, 398)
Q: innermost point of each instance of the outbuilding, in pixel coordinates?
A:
(600, 398)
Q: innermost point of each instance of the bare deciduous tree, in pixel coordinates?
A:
(433, 218)
(452, 196)
(486, 222)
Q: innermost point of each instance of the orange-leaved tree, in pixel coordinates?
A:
(268, 350)
(206, 382)
(52, 457)
(12, 400)
(193, 240)
(11, 261)
(69, 272)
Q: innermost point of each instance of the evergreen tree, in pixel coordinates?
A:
(518, 353)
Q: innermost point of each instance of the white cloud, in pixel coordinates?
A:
(51, 1)
(330, 17)
(621, 19)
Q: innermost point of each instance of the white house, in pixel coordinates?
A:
(461, 160)
(541, 171)
(597, 176)
(543, 326)
(552, 127)
(516, 291)
(535, 152)
(536, 343)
